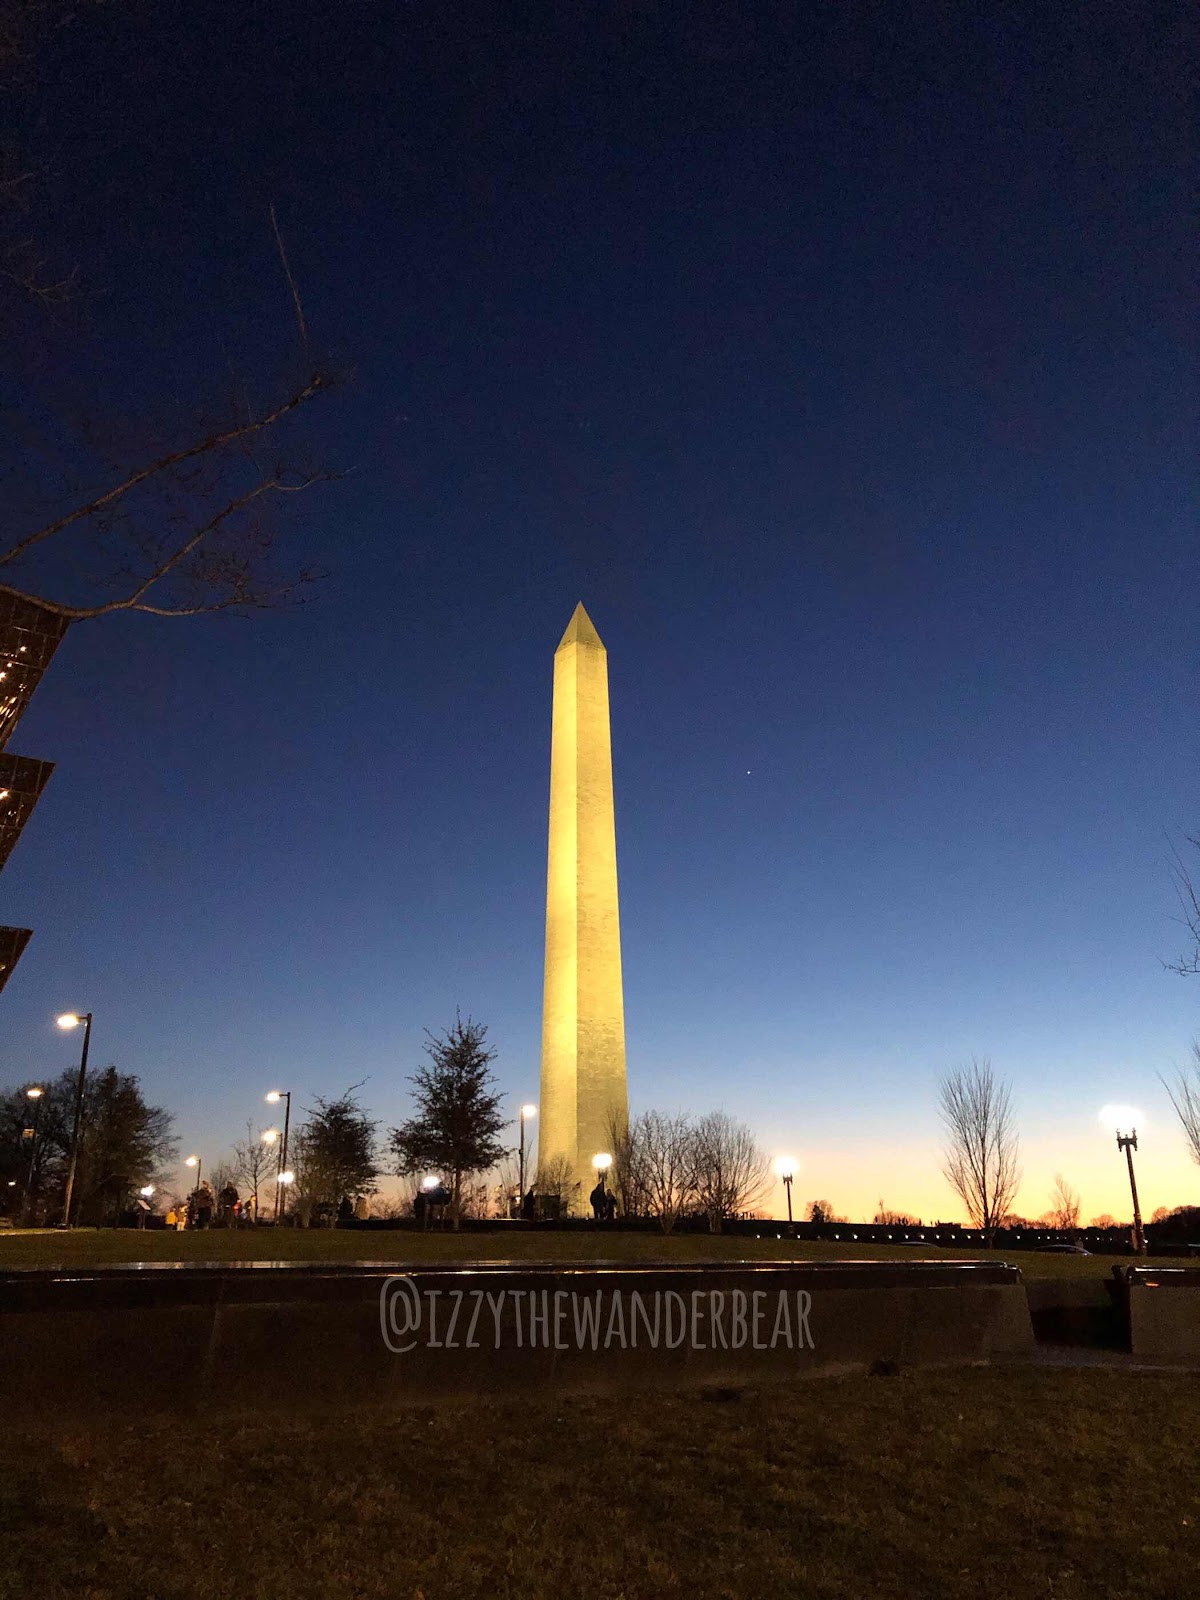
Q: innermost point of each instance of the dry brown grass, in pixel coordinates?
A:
(1063, 1484)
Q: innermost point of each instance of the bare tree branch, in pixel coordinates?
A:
(207, 446)
(287, 272)
(1188, 965)
(1185, 1097)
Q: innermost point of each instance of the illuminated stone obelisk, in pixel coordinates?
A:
(583, 1016)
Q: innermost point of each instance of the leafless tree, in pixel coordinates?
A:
(224, 1172)
(1104, 1220)
(627, 1175)
(660, 1161)
(254, 1163)
(820, 1211)
(981, 1157)
(731, 1173)
(556, 1180)
(1064, 1205)
(1188, 963)
(1185, 1097)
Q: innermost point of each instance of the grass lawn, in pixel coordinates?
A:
(981, 1482)
(89, 1247)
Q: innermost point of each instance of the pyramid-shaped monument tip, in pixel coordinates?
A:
(580, 630)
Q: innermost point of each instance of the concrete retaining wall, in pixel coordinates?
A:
(1164, 1312)
(152, 1339)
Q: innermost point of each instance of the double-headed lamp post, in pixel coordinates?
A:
(526, 1113)
(601, 1162)
(1128, 1143)
(68, 1020)
(273, 1098)
(785, 1168)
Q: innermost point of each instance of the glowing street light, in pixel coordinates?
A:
(270, 1135)
(273, 1097)
(66, 1021)
(146, 1191)
(785, 1168)
(35, 1092)
(601, 1162)
(526, 1113)
(287, 1177)
(198, 1163)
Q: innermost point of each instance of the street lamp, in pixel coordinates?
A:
(198, 1163)
(526, 1113)
(273, 1098)
(35, 1093)
(785, 1168)
(146, 1191)
(601, 1161)
(67, 1021)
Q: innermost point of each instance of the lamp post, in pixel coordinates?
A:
(428, 1185)
(526, 1113)
(273, 1099)
(285, 1178)
(68, 1020)
(785, 1168)
(198, 1163)
(601, 1162)
(1128, 1143)
(35, 1093)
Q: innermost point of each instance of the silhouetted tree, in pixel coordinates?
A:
(123, 1145)
(731, 1171)
(820, 1211)
(1188, 963)
(662, 1165)
(1185, 1097)
(333, 1153)
(981, 1163)
(557, 1181)
(254, 1163)
(457, 1126)
(1064, 1205)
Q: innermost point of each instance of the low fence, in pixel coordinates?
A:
(262, 1335)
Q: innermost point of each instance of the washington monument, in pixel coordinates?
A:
(583, 1015)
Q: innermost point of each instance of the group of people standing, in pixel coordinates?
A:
(204, 1209)
(226, 1209)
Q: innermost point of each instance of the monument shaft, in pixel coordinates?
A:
(583, 1017)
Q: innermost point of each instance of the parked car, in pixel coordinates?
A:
(1062, 1250)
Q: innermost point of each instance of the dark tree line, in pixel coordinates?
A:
(124, 1144)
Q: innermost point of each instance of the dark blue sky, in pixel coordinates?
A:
(839, 358)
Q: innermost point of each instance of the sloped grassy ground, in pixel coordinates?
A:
(86, 1247)
(981, 1482)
